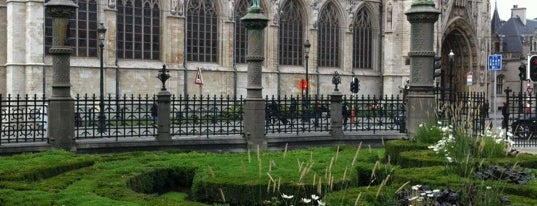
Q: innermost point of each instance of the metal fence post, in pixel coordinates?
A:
(505, 111)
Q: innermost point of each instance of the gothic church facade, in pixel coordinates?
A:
(369, 39)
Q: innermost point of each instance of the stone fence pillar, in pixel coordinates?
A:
(335, 114)
(421, 105)
(61, 128)
(254, 105)
(164, 110)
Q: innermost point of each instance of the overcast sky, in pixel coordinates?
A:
(504, 7)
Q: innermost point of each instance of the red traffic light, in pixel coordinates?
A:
(532, 71)
(303, 84)
(534, 61)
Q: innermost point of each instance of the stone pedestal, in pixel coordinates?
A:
(254, 105)
(164, 111)
(422, 16)
(61, 106)
(336, 117)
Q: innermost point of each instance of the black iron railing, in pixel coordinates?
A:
(206, 115)
(126, 116)
(519, 113)
(372, 113)
(23, 119)
(466, 111)
(295, 114)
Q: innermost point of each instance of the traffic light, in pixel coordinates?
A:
(303, 84)
(522, 73)
(532, 63)
(437, 71)
(355, 85)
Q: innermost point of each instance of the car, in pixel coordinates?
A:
(525, 126)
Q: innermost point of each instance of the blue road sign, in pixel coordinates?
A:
(495, 62)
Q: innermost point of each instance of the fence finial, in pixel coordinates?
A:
(163, 76)
(336, 79)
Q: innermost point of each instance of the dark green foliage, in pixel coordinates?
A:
(420, 158)
(515, 175)
(41, 165)
(428, 134)
(162, 180)
(365, 174)
(395, 147)
(175, 178)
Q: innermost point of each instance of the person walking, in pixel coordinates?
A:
(486, 108)
(154, 113)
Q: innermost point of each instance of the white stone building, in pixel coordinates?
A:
(367, 38)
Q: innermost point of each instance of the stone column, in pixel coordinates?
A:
(3, 50)
(254, 105)
(335, 115)
(163, 100)
(335, 108)
(61, 109)
(163, 129)
(422, 16)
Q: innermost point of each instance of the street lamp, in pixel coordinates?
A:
(451, 63)
(307, 46)
(102, 118)
(522, 76)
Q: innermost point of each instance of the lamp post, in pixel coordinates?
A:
(451, 63)
(102, 118)
(522, 75)
(530, 90)
(307, 46)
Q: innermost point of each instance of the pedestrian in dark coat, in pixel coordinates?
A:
(154, 113)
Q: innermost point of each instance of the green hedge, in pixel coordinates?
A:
(364, 172)
(420, 158)
(43, 171)
(395, 147)
(145, 178)
(161, 180)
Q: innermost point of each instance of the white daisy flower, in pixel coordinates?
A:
(287, 196)
(306, 200)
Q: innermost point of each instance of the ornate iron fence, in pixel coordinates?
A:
(463, 110)
(296, 114)
(126, 116)
(23, 119)
(199, 115)
(372, 113)
(519, 114)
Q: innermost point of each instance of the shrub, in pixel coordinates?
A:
(428, 134)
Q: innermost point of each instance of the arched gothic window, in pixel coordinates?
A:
(362, 41)
(241, 33)
(82, 34)
(201, 34)
(138, 29)
(328, 37)
(291, 34)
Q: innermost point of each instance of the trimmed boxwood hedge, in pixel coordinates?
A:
(395, 147)
(141, 178)
(364, 172)
(420, 158)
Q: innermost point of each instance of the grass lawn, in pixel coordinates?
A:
(337, 175)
